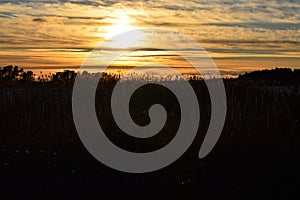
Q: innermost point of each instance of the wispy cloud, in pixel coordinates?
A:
(222, 26)
(260, 25)
(39, 20)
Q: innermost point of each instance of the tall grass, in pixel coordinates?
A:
(40, 114)
(38, 137)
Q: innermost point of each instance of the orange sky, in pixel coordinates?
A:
(239, 35)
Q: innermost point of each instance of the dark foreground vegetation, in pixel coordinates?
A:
(257, 155)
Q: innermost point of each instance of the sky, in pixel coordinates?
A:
(240, 35)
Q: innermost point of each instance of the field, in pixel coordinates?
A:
(258, 153)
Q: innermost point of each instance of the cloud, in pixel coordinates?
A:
(252, 26)
(39, 20)
(262, 25)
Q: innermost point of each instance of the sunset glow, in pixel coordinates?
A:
(240, 36)
(120, 22)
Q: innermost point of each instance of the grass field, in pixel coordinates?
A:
(258, 153)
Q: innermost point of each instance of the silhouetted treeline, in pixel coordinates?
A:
(278, 76)
(11, 75)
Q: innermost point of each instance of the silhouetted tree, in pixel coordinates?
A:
(27, 76)
(10, 74)
(66, 76)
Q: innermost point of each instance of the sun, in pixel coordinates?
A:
(117, 29)
(121, 22)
